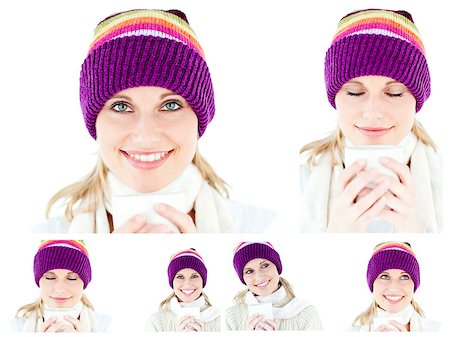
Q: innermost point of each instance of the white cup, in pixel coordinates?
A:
(189, 311)
(264, 309)
(124, 207)
(378, 321)
(372, 154)
(59, 313)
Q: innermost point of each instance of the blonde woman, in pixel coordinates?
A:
(147, 97)
(62, 271)
(377, 78)
(187, 308)
(258, 266)
(393, 276)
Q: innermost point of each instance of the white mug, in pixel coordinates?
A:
(372, 154)
(264, 309)
(59, 313)
(124, 207)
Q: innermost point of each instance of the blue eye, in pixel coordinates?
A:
(120, 107)
(264, 265)
(404, 277)
(171, 106)
(248, 271)
(384, 276)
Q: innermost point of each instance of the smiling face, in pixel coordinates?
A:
(187, 285)
(375, 110)
(61, 288)
(261, 277)
(147, 136)
(393, 290)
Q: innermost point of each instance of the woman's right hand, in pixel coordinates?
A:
(138, 223)
(258, 322)
(350, 213)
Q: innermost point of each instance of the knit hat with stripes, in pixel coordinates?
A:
(145, 48)
(378, 42)
(393, 255)
(62, 254)
(188, 258)
(247, 251)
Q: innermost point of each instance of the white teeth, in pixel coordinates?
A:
(262, 284)
(188, 292)
(393, 298)
(149, 157)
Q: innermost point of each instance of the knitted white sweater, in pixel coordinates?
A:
(163, 320)
(306, 319)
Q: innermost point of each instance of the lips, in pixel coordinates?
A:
(146, 160)
(393, 298)
(373, 131)
(262, 284)
(187, 291)
(60, 299)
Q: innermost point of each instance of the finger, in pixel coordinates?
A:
(398, 325)
(358, 184)
(365, 203)
(394, 204)
(195, 325)
(48, 322)
(157, 229)
(400, 169)
(184, 320)
(75, 322)
(264, 325)
(253, 321)
(374, 211)
(349, 173)
(132, 225)
(55, 327)
(272, 323)
(181, 220)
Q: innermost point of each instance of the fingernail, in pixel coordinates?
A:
(384, 160)
(160, 207)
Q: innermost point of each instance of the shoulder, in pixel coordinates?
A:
(158, 320)
(52, 225)
(235, 309)
(308, 319)
(235, 317)
(17, 324)
(251, 219)
(103, 322)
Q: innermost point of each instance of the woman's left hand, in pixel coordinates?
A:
(401, 205)
(182, 221)
(266, 325)
(189, 323)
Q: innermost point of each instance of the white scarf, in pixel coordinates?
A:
(426, 174)
(211, 214)
(34, 322)
(207, 313)
(407, 315)
(281, 309)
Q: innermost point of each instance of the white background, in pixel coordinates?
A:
(266, 61)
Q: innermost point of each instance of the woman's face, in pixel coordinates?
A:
(261, 277)
(187, 285)
(375, 110)
(393, 290)
(61, 288)
(147, 136)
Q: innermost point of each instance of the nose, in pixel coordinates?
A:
(373, 107)
(59, 286)
(146, 129)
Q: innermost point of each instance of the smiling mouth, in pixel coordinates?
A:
(148, 158)
(262, 285)
(60, 299)
(187, 291)
(393, 298)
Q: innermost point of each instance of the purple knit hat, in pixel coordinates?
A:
(393, 255)
(62, 254)
(247, 251)
(145, 48)
(378, 42)
(188, 258)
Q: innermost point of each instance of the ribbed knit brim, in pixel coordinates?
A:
(62, 254)
(186, 259)
(145, 48)
(393, 256)
(381, 43)
(247, 251)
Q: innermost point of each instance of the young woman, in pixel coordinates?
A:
(147, 97)
(187, 308)
(393, 276)
(258, 266)
(377, 78)
(62, 271)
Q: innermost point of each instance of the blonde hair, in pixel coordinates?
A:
(38, 307)
(240, 296)
(367, 316)
(165, 304)
(333, 144)
(93, 187)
